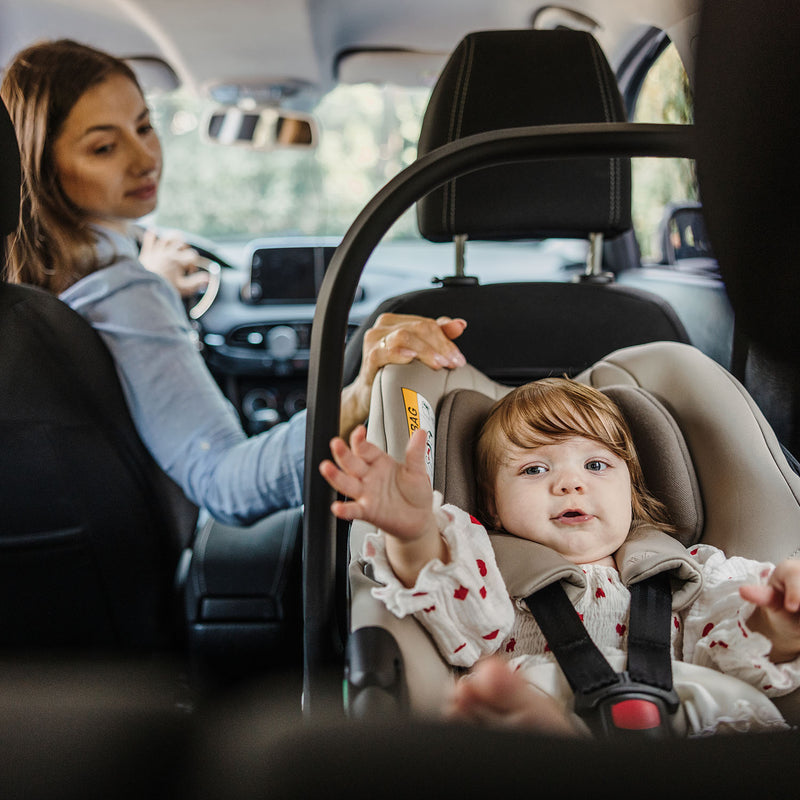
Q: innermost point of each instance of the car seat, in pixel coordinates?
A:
(510, 79)
(693, 424)
(92, 529)
(98, 549)
(479, 761)
(516, 331)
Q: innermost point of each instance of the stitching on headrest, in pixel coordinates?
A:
(450, 137)
(462, 85)
(613, 163)
(464, 89)
(601, 82)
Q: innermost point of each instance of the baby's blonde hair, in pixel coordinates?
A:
(552, 410)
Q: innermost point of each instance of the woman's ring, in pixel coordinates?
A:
(383, 342)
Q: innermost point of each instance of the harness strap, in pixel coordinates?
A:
(638, 700)
(584, 666)
(649, 657)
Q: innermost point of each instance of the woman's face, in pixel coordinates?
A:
(107, 156)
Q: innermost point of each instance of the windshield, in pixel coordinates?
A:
(232, 195)
(368, 135)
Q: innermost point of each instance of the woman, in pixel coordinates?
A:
(91, 164)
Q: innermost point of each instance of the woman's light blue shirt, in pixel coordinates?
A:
(180, 412)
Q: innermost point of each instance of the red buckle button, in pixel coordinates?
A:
(636, 715)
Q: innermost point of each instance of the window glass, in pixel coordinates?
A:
(665, 97)
(368, 135)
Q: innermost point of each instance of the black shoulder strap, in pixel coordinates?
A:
(649, 656)
(597, 687)
(584, 666)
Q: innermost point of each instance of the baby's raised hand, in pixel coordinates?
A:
(395, 497)
(777, 613)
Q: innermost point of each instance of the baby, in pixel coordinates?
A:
(556, 465)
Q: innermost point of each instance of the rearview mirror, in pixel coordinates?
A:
(261, 128)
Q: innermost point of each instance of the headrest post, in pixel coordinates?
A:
(461, 246)
(594, 262)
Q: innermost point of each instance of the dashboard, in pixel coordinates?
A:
(256, 334)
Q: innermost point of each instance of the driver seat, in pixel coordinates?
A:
(92, 529)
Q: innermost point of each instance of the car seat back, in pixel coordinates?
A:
(91, 528)
(694, 426)
(749, 194)
(511, 79)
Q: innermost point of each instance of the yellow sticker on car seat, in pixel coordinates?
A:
(419, 414)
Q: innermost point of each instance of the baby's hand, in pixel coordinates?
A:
(496, 696)
(395, 497)
(777, 613)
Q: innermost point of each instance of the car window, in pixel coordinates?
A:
(665, 97)
(369, 134)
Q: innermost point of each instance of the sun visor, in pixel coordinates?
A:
(399, 67)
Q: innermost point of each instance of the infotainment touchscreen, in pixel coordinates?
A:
(287, 274)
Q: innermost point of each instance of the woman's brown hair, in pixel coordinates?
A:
(552, 410)
(53, 245)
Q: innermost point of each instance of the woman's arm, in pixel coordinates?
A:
(398, 339)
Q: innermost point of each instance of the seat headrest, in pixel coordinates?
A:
(517, 78)
(663, 454)
(10, 174)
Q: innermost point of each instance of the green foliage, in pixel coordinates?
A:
(665, 98)
(221, 191)
(368, 134)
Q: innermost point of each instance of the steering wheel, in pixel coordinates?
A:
(198, 304)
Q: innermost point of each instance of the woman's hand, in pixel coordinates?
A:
(399, 339)
(777, 613)
(173, 259)
(394, 496)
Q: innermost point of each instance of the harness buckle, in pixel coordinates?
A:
(628, 708)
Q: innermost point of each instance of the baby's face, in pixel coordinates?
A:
(573, 496)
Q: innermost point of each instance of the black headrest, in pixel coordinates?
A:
(517, 78)
(747, 111)
(10, 175)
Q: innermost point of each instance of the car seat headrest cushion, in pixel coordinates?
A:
(519, 78)
(663, 454)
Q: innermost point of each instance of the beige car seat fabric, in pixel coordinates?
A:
(751, 496)
(664, 455)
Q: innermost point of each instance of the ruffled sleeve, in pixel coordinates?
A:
(716, 633)
(463, 604)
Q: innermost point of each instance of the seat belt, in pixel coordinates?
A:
(640, 700)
